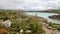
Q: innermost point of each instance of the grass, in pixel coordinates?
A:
(54, 25)
(20, 20)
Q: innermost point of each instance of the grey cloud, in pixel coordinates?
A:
(29, 4)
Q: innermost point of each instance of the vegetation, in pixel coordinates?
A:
(2, 25)
(54, 25)
(21, 21)
(32, 25)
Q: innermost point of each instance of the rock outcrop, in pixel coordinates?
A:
(55, 17)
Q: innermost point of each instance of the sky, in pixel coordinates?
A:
(30, 4)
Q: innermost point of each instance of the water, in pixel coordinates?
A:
(44, 15)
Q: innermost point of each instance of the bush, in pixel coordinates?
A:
(14, 27)
(32, 25)
(2, 25)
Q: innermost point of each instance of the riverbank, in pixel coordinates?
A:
(47, 28)
(20, 22)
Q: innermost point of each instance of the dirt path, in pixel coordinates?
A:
(49, 31)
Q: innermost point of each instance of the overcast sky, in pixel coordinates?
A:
(30, 4)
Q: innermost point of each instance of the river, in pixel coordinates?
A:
(44, 15)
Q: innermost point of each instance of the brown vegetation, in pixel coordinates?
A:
(3, 31)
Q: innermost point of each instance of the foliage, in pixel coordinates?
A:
(32, 25)
(14, 26)
(26, 22)
(11, 14)
(54, 25)
(2, 25)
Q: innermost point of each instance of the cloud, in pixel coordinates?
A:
(30, 4)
